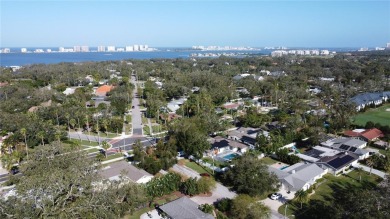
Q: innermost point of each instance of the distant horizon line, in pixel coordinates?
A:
(280, 47)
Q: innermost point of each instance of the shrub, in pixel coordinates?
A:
(224, 204)
(205, 184)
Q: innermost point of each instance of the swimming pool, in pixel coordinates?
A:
(230, 156)
(284, 167)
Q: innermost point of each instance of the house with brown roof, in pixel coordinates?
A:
(103, 90)
(365, 134)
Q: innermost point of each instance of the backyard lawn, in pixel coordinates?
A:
(376, 115)
(197, 167)
(326, 191)
(268, 160)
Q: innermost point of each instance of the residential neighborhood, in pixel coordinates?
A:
(198, 144)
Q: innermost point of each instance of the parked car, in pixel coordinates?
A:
(205, 174)
(275, 196)
(14, 170)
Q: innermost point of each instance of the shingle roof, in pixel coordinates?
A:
(114, 170)
(340, 160)
(298, 174)
(372, 134)
(366, 98)
(104, 89)
(184, 208)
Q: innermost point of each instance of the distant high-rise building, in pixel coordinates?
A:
(146, 47)
(77, 48)
(136, 47)
(129, 48)
(120, 49)
(5, 50)
(101, 48)
(110, 48)
(23, 50)
(388, 45)
(84, 49)
(61, 49)
(48, 50)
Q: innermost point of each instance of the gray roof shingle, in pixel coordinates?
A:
(184, 208)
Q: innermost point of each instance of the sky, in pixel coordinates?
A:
(161, 23)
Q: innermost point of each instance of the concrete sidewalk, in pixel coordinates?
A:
(2, 170)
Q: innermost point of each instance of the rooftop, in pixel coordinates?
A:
(184, 208)
(114, 170)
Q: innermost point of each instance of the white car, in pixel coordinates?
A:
(275, 196)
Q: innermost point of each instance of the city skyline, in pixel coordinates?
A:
(188, 23)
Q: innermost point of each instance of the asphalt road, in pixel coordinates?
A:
(4, 177)
(135, 112)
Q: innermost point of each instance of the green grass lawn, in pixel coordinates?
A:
(198, 168)
(146, 130)
(268, 160)
(105, 135)
(325, 191)
(214, 162)
(376, 115)
(86, 143)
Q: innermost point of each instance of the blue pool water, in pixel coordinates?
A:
(284, 167)
(230, 156)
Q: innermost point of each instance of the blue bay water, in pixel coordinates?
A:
(20, 59)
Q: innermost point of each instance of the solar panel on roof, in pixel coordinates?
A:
(353, 149)
(344, 147)
(341, 161)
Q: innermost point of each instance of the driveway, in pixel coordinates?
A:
(219, 192)
(185, 171)
(151, 214)
(275, 204)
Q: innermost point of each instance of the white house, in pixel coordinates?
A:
(132, 173)
(338, 163)
(367, 99)
(299, 176)
(352, 145)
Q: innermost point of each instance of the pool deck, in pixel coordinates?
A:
(279, 165)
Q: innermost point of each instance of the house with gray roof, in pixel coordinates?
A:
(338, 163)
(298, 176)
(367, 99)
(352, 145)
(122, 168)
(183, 208)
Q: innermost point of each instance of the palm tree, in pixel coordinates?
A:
(72, 122)
(371, 162)
(105, 126)
(359, 170)
(23, 131)
(67, 116)
(302, 196)
(105, 146)
(58, 136)
(41, 135)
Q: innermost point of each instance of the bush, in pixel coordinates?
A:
(206, 208)
(224, 204)
(189, 187)
(205, 184)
